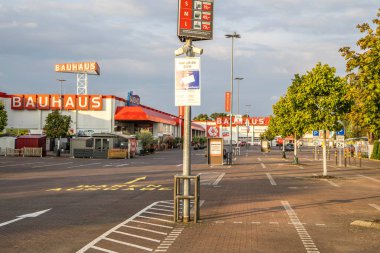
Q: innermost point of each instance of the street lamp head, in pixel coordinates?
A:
(61, 80)
(234, 35)
(239, 78)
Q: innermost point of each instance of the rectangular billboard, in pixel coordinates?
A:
(195, 19)
(187, 81)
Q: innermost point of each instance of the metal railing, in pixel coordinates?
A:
(179, 197)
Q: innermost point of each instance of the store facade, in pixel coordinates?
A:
(92, 114)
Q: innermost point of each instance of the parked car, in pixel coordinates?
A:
(289, 147)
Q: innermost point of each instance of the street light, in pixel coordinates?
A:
(247, 124)
(60, 105)
(238, 104)
(232, 37)
(60, 93)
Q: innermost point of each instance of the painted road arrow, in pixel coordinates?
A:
(136, 180)
(24, 216)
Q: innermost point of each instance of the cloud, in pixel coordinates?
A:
(134, 41)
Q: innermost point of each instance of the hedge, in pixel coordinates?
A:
(376, 151)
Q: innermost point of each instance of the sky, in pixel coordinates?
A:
(133, 42)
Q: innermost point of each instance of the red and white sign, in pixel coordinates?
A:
(53, 102)
(213, 131)
(195, 19)
(255, 121)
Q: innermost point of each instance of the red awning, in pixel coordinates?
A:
(143, 113)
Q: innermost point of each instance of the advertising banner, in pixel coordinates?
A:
(187, 81)
(227, 102)
(195, 19)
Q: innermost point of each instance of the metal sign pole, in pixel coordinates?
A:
(187, 148)
(187, 163)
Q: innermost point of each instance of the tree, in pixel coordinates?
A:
(290, 117)
(57, 125)
(146, 138)
(325, 101)
(201, 117)
(215, 115)
(3, 117)
(363, 74)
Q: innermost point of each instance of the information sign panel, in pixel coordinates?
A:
(195, 19)
(341, 132)
(187, 81)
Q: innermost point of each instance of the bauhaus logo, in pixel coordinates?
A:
(56, 102)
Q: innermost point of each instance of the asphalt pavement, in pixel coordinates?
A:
(262, 203)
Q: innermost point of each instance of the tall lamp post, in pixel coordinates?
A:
(238, 79)
(60, 93)
(60, 107)
(232, 37)
(247, 125)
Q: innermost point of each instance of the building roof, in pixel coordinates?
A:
(144, 113)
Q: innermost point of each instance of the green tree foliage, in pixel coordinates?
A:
(3, 117)
(363, 68)
(146, 138)
(215, 115)
(325, 101)
(57, 125)
(325, 98)
(201, 117)
(376, 151)
(268, 135)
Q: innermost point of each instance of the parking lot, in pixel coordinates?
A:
(262, 203)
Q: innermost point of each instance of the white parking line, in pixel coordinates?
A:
(271, 180)
(259, 159)
(370, 178)
(263, 165)
(301, 230)
(375, 206)
(49, 165)
(103, 236)
(332, 183)
(162, 214)
(19, 164)
(179, 165)
(129, 244)
(82, 165)
(137, 236)
(103, 250)
(121, 165)
(218, 179)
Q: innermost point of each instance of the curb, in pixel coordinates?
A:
(366, 223)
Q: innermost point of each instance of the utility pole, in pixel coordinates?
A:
(232, 37)
(238, 105)
(60, 109)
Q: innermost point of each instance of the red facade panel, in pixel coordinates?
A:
(30, 141)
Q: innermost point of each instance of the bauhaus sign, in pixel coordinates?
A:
(91, 68)
(255, 121)
(55, 102)
(195, 19)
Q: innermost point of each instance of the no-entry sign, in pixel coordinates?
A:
(195, 19)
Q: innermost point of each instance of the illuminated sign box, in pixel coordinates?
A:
(195, 19)
(91, 68)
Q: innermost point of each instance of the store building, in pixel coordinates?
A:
(92, 114)
(243, 129)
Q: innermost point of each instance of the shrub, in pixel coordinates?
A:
(376, 151)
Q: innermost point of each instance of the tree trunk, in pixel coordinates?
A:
(295, 161)
(324, 154)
